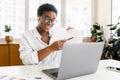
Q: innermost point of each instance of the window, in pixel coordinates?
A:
(12, 12)
(78, 15)
(21, 15)
(115, 11)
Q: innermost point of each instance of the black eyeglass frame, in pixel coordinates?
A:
(48, 19)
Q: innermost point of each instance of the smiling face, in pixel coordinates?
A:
(46, 20)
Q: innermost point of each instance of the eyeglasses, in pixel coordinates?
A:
(47, 19)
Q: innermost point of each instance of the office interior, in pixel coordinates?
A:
(21, 15)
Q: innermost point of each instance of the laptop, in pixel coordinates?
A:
(78, 59)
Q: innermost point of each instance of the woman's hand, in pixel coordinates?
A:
(57, 45)
(69, 28)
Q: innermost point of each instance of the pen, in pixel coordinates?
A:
(38, 78)
(70, 38)
(113, 68)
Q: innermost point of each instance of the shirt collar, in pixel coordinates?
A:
(36, 33)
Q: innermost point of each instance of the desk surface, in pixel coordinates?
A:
(33, 71)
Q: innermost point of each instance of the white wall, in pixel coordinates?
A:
(104, 15)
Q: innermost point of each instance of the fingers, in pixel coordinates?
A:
(61, 43)
(69, 28)
(58, 45)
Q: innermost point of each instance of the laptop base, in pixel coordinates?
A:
(53, 73)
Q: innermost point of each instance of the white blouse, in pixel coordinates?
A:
(31, 42)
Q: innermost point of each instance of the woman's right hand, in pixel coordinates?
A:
(57, 45)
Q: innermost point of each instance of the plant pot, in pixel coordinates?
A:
(92, 40)
(8, 39)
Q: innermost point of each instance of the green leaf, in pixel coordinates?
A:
(100, 33)
(112, 40)
(113, 28)
(118, 32)
(96, 26)
(93, 31)
(7, 28)
(118, 52)
(109, 25)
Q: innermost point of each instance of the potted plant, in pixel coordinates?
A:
(113, 48)
(96, 33)
(8, 38)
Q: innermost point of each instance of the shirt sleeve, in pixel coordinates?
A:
(28, 54)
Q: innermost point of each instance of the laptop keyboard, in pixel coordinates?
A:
(55, 74)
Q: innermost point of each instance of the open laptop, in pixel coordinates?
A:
(77, 59)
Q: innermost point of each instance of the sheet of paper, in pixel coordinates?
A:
(61, 33)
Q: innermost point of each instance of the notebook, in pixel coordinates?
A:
(78, 59)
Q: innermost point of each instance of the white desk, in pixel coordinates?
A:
(35, 70)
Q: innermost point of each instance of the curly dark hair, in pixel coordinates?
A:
(46, 7)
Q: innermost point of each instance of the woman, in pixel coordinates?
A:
(36, 46)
